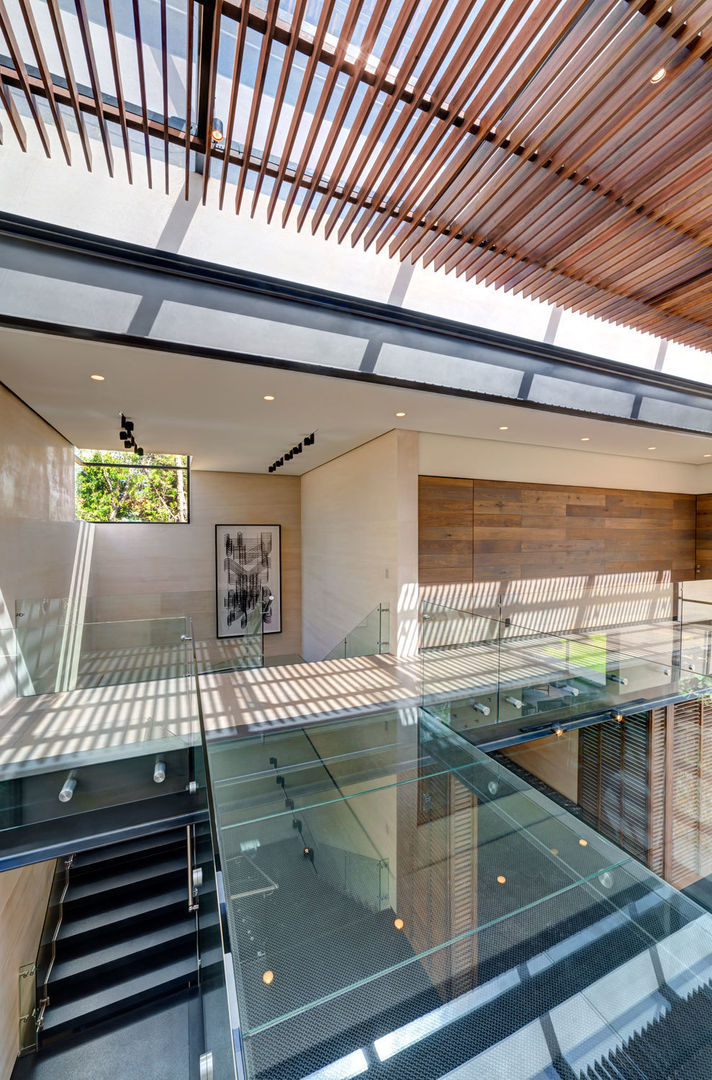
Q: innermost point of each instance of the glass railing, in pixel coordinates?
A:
(59, 648)
(67, 644)
(243, 651)
(478, 671)
(100, 757)
(370, 637)
(503, 911)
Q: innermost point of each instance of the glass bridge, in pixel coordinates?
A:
(435, 890)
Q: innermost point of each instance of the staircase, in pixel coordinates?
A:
(127, 939)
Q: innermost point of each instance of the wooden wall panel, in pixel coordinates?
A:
(525, 531)
(445, 510)
(704, 535)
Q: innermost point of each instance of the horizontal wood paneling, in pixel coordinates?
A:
(544, 530)
(704, 535)
(445, 536)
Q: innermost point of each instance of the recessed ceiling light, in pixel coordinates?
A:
(398, 923)
(707, 455)
(585, 438)
(658, 76)
(269, 397)
(583, 843)
(504, 428)
(652, 448)
(400, 414)
(501, 879)
(267, 977)
(97, 378)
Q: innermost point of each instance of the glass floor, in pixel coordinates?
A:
(402, 906)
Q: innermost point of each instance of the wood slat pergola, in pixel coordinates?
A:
(559, 149)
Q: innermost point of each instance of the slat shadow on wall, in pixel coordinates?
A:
(487, 530)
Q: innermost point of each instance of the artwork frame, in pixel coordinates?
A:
(255, 552)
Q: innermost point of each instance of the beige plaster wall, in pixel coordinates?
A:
(38, 533)
(23, 901)
(359, 540)
(132, 564)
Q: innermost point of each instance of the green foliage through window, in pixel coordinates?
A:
(112, 485)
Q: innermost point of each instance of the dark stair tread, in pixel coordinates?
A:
(91, 962)
(141, 846)
(129, 911)
(120, 996)
(126, 878)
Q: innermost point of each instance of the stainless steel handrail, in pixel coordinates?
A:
(193, 905)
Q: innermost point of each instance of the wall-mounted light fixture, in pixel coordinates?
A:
(217, 131)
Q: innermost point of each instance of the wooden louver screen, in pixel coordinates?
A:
(526, 145)
(614, 782)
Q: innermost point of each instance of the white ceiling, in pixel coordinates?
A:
(214, 410)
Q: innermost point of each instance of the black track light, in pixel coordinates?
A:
(297, 449)
(281, 461)
(129, 425)
(139, 451)
(123, 434)
(128, 443)
(271, 468)
(288, 456)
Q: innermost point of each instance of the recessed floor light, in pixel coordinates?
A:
(400, 414)
(585, 438)
(97, 378)
(504, 428)
(658, 76)
(269, 397)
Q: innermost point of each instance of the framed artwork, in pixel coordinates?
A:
(248, 576)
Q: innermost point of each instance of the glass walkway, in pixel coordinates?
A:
(400, 905)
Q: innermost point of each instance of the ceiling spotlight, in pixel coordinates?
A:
(280, 462)
(309, 439)
(97, 378)
(288, 456)
(504, 427)
(271, 468)
(128, 443)
(398, 923)
(658, 76)
(617, 716)
(123, 434)
(129, 425)
(501, 879)
(139, 451)
(558, 731)
(297, 449)
(217, 131)
(268, 977)
(400, 414)
(268, 397)
(585, 438)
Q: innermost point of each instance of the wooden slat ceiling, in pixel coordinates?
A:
(522, 143)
